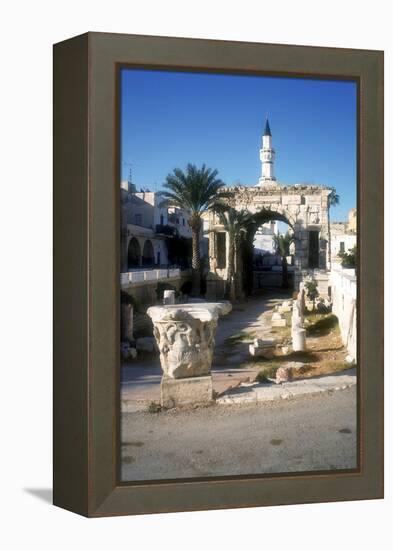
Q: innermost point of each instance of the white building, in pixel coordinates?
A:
(264, 238)
(147, 228)
(343, 236)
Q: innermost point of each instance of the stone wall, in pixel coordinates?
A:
(144, 291)
(343, 288)
(303, 207)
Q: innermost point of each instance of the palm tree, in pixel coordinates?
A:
(236, 224)
(282, 244)
(194, 190)
(333, 200)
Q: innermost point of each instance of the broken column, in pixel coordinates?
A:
(169, 297)
(127, 322)
(185, 338)
(299, 339)
(298, 332)
(263, 348)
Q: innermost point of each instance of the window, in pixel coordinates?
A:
(162, 219)
(342, 247)
(184, 221)
(138, 219)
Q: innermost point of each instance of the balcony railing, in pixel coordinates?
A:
(166, 230)
(135, 277)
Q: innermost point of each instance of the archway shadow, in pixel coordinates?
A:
(44, 494)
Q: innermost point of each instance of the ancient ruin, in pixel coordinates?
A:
(185, 338)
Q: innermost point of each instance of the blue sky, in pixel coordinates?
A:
(171, 118)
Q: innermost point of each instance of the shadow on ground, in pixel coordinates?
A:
(43, 494)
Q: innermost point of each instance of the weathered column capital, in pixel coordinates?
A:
(185, 336)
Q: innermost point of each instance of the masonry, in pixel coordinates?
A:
(343, 285)
(303, 207)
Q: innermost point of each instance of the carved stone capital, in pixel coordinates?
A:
(185, 336)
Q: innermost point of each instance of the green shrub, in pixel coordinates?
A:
(324, 325)
(312, 291)
(154, 407)
(348, 259)
(128, 299)
(268, 372)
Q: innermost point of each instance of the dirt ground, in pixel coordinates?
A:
(232, 362)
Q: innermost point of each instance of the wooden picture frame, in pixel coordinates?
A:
(86, 273)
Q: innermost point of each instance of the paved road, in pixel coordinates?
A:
(308, 433)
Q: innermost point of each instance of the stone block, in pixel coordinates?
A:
(279, 323)
(177, 392)
(287, 372)
(169, 297)
(264, 352)
(276, 316)
(267, 343)
(291, 199)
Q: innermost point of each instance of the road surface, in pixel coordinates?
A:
(304, 434)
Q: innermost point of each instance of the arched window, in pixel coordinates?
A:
(148, 254)
(134, 253)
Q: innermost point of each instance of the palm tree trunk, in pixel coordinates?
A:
(231, 257)
(238, 283)
(196, 262)
(329, 240)
(284, 266)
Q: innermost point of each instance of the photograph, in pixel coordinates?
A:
(238, 274)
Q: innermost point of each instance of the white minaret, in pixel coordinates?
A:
(267, 154)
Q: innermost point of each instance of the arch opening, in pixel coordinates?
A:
(269, 254)
(148, 254)
(134, 253)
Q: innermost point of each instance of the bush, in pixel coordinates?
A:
(348, 259)
(312, 291)
(323, 326)
(154, 407)
(128, 299)
(186, 288)
(269, 372)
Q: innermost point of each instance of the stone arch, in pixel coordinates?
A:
(303, 207)
(148, 254)
(134, 253)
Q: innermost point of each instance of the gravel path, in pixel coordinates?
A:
(312, 433)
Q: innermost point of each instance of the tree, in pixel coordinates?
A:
(348, 259)
(194, 190)
(236, 224)
(333, 200)
(312, 291)
(282, 244)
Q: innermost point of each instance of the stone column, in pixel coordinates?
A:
(299, 339)
(127, 323)
(169, 297)
(297, 330)
(185, 337)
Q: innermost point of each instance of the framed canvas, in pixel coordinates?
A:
(218, 323)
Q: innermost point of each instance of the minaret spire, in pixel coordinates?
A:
(267, 155)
